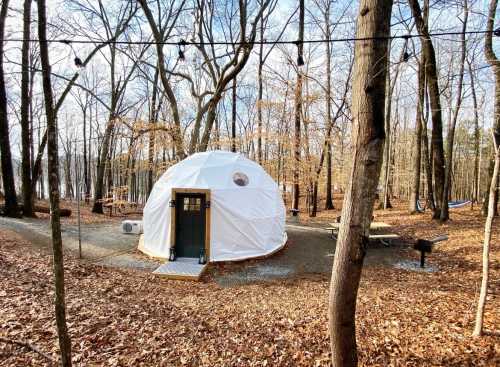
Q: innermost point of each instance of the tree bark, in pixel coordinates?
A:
(53, 173)
(495, 63)
(445, 215)
(417, 161)
(477, 136)
(329, 198)
(478, 328)
(368, 97)
(297, 114)
(27, 192)
(233, 116)
(11, 207)
(434, 97)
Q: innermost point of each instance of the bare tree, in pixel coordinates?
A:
(298, 111)
(444, 215)
(28, 208)
(53, 173)
(495, 63)
(368, 90)
(435, 103)
(11, 208)
(493, 189)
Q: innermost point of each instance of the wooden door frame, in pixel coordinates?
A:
(173, 202)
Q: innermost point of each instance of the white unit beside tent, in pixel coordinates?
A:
(217, 205)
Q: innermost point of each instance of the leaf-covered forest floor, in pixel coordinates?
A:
(125, 317)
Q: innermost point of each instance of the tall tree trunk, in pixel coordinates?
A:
(477, 136)
(11, 207)
(417, 161)
(152, 123)
(101, 166)
(386, 200)
(368, 97)
(53, 173)
(434, 97)
(495, 63)
(233, 116)
(445, 215)
(328, 97)
(298, 112)
(260, 92)
(329, 198)
(28, 202)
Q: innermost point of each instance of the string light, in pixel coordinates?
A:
(182, 46)
(406, 55)
(78, 62)
(496, 32)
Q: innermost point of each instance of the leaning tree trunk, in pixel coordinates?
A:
(11, 207)
(368, 106)
(53, 173)
(478, 328)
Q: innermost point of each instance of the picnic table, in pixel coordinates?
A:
(375, 227)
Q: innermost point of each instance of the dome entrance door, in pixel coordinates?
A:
(190, 225)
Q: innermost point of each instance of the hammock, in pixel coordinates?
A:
(451, 204)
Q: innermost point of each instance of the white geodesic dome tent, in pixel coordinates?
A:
(246, 212)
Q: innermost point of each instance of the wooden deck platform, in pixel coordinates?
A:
(182, 268)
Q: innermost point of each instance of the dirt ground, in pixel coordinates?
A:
(121, 317)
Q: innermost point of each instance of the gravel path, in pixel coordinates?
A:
(101, 243)
(309, 251)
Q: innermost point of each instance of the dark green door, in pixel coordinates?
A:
(189, 224)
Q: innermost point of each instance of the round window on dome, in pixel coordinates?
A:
(240, 179)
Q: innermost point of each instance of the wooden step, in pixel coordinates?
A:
(183, 268)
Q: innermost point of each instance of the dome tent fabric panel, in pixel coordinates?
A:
(247, 211)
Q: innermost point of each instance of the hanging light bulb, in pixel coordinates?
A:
(496, 32)
(182, 46)
(78, 63)
(406, 55)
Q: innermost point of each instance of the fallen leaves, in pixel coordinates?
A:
(129, 318)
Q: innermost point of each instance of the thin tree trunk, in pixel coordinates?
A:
(434, 97)
(28, 203)
(445, 215)
(11, 208)
(477, 135)
(297, 113)
(260, 92)
(495, 63)
(417, 161)
(233, 116)
(368, 97)
(328, 97)
(329, 199)
(53, 173)
(386, 202)
(478, 328)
